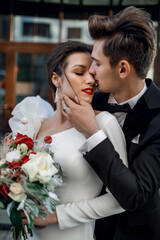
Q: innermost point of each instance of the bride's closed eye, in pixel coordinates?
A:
(79, 74)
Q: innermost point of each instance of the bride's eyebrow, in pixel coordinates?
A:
(79, 65)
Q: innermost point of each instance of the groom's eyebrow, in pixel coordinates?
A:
(95, 59)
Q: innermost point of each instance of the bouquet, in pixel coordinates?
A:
(28, 180)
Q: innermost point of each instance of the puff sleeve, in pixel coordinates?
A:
(34, 110)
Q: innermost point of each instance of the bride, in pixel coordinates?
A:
(80, 204)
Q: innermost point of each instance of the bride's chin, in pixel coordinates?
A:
(87, 99)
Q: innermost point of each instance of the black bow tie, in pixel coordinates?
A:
(113, 107)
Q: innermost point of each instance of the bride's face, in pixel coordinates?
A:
(79, 78)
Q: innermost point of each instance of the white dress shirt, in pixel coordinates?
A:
(99, 136)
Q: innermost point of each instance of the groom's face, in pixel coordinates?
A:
(106, 77)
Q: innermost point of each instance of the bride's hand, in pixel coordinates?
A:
(39, 222)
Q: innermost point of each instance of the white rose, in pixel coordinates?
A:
(23, 148)
(13, 156)
(17, 192)
(40, 167)
(2, 161)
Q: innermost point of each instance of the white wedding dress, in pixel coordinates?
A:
(79, 204)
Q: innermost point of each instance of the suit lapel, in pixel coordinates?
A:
(99, 101)
(144, 111)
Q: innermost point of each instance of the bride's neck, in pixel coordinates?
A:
(60, 118)
(55, 124)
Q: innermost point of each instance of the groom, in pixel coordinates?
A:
(124, 49)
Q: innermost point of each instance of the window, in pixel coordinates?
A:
(2, 77)
(28, 29)
(4, 27)
(36, 29)
(31, 76)
(74, 33)
(76, 29)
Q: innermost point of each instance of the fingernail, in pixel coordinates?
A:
(77, 99)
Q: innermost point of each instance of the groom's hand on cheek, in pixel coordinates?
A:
(81, 115)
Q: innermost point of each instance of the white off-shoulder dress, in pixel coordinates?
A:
(79, 204)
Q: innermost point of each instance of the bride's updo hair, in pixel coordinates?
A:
(56, 61)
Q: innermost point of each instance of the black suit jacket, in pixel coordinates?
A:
(136, 188)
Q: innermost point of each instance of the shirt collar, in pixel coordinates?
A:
(132, 101)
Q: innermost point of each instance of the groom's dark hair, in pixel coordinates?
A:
(57, 58)
(128, 35)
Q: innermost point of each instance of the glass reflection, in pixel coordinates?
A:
(4, 27)
(31, 76)
(2, 77)
(36, 29)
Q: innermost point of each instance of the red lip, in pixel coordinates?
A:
(89, 91)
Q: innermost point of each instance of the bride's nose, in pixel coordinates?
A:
(90, 79)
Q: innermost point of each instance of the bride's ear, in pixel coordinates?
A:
(55, 79)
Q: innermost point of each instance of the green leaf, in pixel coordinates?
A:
(32, 206)
(48, 205)
(5, 201)
(53, 204)
(37, 191)
(30, 217)
(3, 166)
(14, 145)
(17, 235)
(36, 188)
(42, 213)
(15, 217)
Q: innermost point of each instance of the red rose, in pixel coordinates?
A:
(4, 190)
(15, 164)
(48, 139)
(25, 159)
(24, 139)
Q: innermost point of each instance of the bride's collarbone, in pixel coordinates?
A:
(51, 128)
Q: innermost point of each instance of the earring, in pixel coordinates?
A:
(56, 96)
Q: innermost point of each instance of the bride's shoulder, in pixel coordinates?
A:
(28, 115)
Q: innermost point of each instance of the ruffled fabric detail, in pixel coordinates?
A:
(29, 114)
